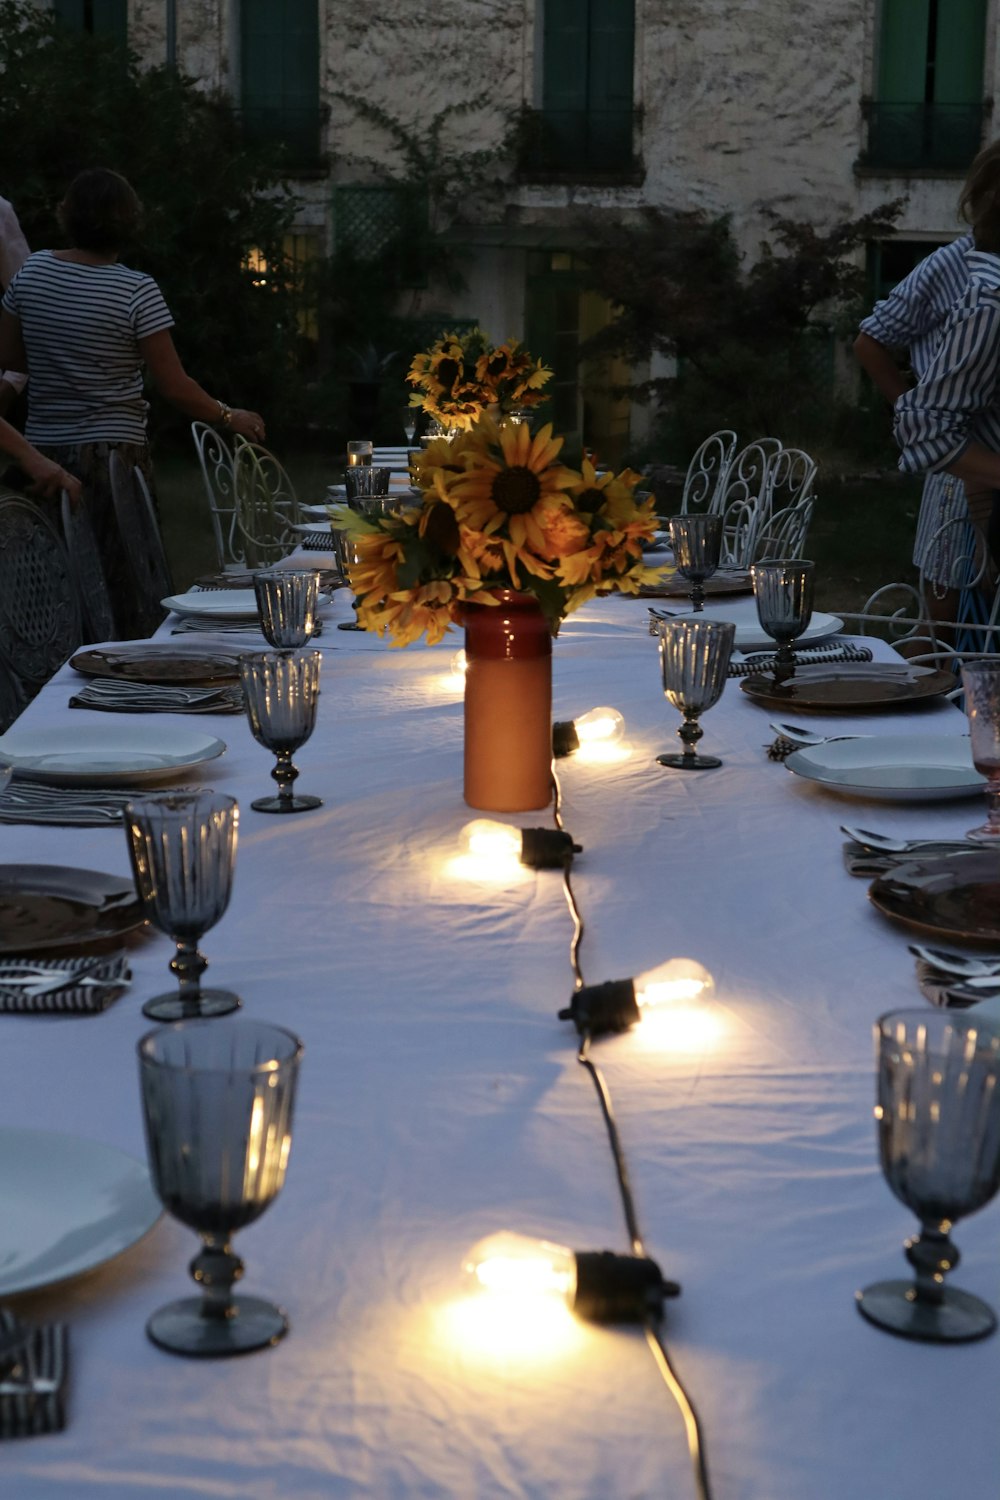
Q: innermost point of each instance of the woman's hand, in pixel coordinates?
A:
(249, 424)
(48, 478)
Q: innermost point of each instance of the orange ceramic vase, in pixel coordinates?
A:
(508, 704)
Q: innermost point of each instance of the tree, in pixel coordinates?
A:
(750, 344)
(70, 101)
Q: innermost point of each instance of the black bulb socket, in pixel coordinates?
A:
(565, 739)
(599, 1008)
(614, 1288)
(547, 848)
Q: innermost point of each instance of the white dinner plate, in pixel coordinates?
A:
(892, 767)
(217, 604)
(68, 1206)
(750, 636)
(117, 754)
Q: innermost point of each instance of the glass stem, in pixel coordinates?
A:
(215, 1268)
(932, 1254)
(993, 803)
(697, 596)
(188, 965)
(690, 733)
(284, 774)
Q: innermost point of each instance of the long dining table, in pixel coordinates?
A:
(441, 1100)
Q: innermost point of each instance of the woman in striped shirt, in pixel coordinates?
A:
(84, 326)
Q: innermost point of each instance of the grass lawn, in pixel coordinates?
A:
(861, 535)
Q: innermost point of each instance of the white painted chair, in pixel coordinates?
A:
(267, 507)
(215, 458)
(705, 481)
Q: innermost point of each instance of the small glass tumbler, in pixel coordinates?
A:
(217, 1106)
(280, 694)
(359, 453)
(364, 483)
(938, 1115)
(784, 592)
(694, 660)
(981, 687)
(696, 541)
(286, 605)
(347, 555)
(183, 850)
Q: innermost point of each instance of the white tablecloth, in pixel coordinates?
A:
(441, 1100)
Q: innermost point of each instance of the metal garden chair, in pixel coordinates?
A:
(218, 472)
(143, 546)
(705, 481)
(39, 613)
(88, 572)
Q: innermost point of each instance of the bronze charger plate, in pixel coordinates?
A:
(44, 907)
(726, 581)
(159, 664)
(953, 896)
(848, 687)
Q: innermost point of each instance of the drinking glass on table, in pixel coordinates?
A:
(784, 592)
(217, 1106)
(364, 483)
(183, 849)
(696, 541)
(280, 694)
(694, 660)
(938, 1113)
(409, 421)
(981, 687)
(286, 605)
(359, 453)
(347, 555)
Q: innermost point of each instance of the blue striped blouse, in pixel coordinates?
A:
(957, 400)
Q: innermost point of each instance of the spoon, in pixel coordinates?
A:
(956, 963)
(808, 736)
(879, 843)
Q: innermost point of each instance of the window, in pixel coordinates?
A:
(279, 52)
(890, 260)
(107, 18)
(585, 122)
(387, 221)
(928, 110)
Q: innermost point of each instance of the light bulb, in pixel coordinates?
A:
(600, 726)
(459, 665)
(499, 843)
(514, 1265)
(599, 1285)
(678, 981)
(618, 1004)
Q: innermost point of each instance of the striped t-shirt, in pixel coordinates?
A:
(81, 326)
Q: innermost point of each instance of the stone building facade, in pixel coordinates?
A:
(820, 111)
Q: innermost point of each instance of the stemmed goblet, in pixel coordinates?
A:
(938, 1113)
(981, 687)
(784, 591)
(409, 422)
(696, 541)
(280, 693)
(217, 1104)
(286, 605)
(183, 848)
(347, 555)
(694, 660)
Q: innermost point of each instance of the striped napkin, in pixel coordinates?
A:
(68, 807)
(807, 656)
(147, 698)
(105, 980)
(33, 1388)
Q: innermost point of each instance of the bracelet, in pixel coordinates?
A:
(225, 414)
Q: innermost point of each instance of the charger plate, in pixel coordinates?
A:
(47, 907)
(69, 1205)
(163, 665)
(725, 581)
(849, 687)
(954, 896)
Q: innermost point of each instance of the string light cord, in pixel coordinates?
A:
(651, 1324)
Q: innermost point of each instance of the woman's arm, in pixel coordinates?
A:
(877, 362)
(47, 477)
(176, 386)
(12, 355)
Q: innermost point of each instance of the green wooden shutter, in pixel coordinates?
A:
(564, 82)
(587, 61)
(280, 73)
(903, 40)
(107, 18)
(958, 63)
(609, 77)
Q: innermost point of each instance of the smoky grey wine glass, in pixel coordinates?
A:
(784, 592)
(694, 660)
(217, 1106)
(696, 541)
(183, 852)
(280, 694)
(364, 483)
(981, 691)
(347, 555)
(286, 606)
(938, 1113)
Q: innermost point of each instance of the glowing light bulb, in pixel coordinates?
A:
(516, 1266)
(679, 981)
(486, 842)
(486, 839)
(600, 726)
(459, 666)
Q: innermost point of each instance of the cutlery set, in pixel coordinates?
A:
(135, 697)
(67, 807)
(67, 986)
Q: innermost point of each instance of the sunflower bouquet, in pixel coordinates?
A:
(497, 510)
(459, 377)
